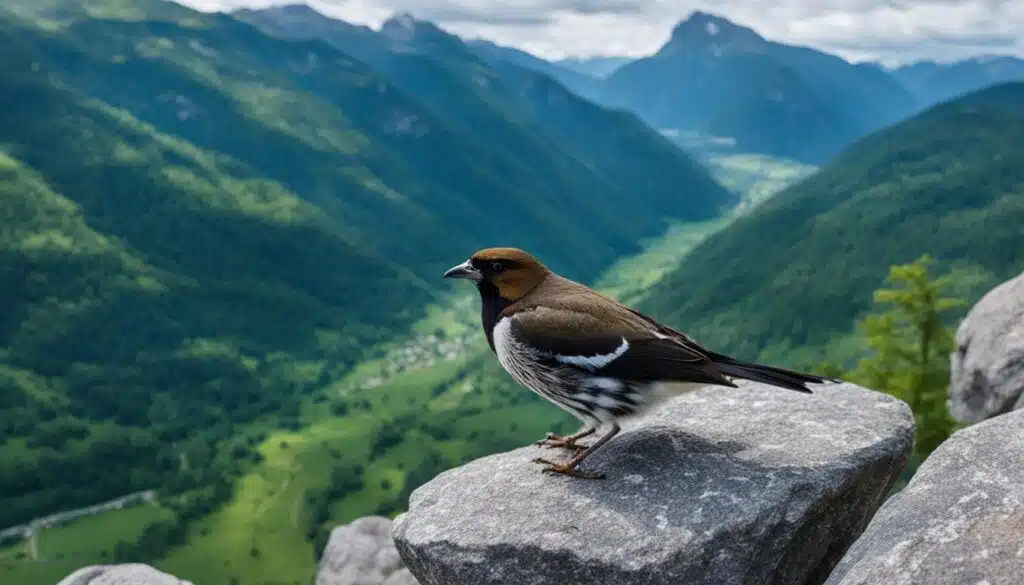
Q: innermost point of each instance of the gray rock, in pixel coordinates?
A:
(402, 577)
(126, 574)
(722, 486)
(960, 520)
(362, 553)
(987, 370)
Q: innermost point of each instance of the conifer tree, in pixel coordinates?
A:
(909, 345)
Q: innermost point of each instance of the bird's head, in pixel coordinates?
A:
(512, 272)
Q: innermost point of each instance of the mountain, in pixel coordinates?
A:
(933, 82)
(726, 80)
(798, 270)
(599, 67)
(582, 84)
(523, 111)
(206, 226)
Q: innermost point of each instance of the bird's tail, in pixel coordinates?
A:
(780, 377)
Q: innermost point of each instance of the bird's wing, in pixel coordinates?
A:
(614, 345)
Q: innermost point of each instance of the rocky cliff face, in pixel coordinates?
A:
(987, 370)
(960, 520)
(755, 485)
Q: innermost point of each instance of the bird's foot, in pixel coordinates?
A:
(567, 469)
(568, 442)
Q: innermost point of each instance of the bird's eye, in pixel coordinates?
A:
(497, 267)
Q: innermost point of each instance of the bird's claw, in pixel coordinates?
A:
(554, 441)
(550, 437)
(564, 469)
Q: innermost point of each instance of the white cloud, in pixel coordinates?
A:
(888, 30)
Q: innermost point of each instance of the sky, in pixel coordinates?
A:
(890, 31)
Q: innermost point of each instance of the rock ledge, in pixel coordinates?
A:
(750, 485)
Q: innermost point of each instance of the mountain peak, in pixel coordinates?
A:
(294, 10)
(703, 31)
(288, 12)
(408, 33)
(403, 26)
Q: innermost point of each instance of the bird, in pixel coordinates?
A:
(591, 355)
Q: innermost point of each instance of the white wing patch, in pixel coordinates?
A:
(594, 362)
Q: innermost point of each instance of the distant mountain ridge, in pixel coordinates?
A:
(599, 67)
(718, 79)
(933, 82)
(585, 85)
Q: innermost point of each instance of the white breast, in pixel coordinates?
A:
(505, 346)
(518, 359)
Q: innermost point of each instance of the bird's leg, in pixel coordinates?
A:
(568, 441)
(569, 468)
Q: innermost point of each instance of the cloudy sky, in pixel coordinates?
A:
(888, 30)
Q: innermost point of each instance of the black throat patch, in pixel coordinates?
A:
(492, 304)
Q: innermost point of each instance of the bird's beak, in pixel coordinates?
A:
(464, 270)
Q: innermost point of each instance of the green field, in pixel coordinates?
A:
(436, 410)
(262, 530)
(85, 541)
(629, 278)
(757, 176)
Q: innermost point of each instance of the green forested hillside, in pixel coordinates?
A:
(335, 133)
(204, 225)
(155, 289)
(797, 271)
